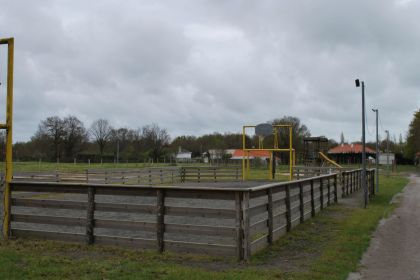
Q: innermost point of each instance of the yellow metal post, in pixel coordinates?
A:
(8, 127)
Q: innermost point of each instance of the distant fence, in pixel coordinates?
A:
(143, 176)
(300, 172)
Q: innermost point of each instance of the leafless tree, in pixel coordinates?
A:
(155, 139)
(100, 131)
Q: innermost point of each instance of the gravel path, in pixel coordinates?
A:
(394, 252)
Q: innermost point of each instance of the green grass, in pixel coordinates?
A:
(328, 246)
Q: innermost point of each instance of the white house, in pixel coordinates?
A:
(383, 158)
(183, 155)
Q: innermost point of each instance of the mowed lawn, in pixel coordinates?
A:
(328, 246)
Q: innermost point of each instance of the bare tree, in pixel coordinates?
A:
(75, 136)
(155, 139)
(52, 130)
(100, 131)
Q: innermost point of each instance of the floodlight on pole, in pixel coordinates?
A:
(364, 185)
(377, 150)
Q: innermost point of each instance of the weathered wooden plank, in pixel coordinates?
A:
(201, 230)
(50, 220)
(47, 203)
(50, 188)
(200, 212)
(125, 225)
(128, 208)
(260, 226)
(201, 194)
(200, 248)
(137, 243)
(259, 244)
(48, 235)
(258, 210)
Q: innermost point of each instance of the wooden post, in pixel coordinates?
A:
(321, 190)
(328, 191)
(343, 184)
(288, 214)
(87, 175)
(150, 176)
(302, 213)
(246, 226)
(312, 199)
(160, 219)
(198, 174)
(122, 177)
(90, 215)
(335, 189)
(239, 226)
(270, 214)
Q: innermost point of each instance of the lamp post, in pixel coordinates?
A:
(387, 152)
(377, 151)
(365, 190)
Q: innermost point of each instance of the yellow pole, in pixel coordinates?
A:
(9, 121)
(290, 153)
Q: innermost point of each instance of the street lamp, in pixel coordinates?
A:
(377, 151)
(387, 152)
(363, 143)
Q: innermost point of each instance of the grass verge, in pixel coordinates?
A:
(328, 246)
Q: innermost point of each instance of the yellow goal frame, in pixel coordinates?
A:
(275, 148)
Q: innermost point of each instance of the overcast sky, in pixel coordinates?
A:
(197, 67)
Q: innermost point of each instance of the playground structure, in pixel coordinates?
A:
(264, 130)
(8, 127)
(315, 150)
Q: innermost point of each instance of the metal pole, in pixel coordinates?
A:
(377, 151)
(387, 152)
(365, 190)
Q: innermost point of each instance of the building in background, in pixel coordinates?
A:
(349, 153)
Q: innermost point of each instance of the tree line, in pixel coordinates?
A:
(67, 139)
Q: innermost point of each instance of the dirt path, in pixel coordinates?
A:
(394, 252)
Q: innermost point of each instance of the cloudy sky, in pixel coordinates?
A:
(196, 67)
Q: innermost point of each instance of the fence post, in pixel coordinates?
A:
(90, 214)
(198, 174)
(328, 191)
(302, 213)
(246, 226)
(160, 219)
(239, 226)
(288, 214)
(270, 214)
(312, 199)
(150, 176)
(335, 189)
(321, 191)
(343, 184)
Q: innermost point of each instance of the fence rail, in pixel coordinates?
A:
(229, 221)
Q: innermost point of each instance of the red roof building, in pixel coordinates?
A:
(349, 153)
(350, 149)
(239, 154)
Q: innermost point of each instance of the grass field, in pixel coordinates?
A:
(328, 246)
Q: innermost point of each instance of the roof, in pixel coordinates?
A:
(350, 149)
(241, 153)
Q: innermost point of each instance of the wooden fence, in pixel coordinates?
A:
(300, 172)
(143, 176)
(351, 181)
(207, 220)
